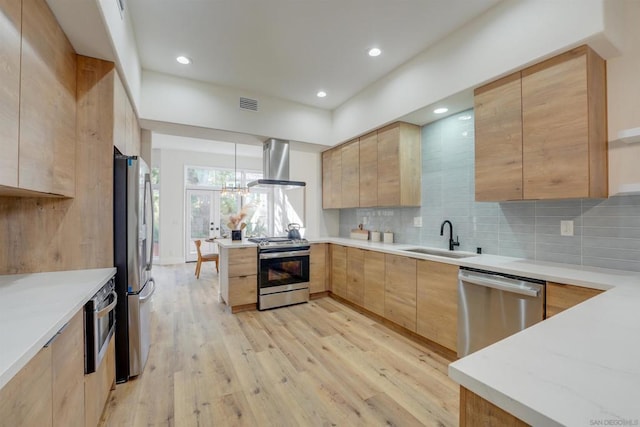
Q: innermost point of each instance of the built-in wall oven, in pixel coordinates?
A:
(99, 325)
(283, 272)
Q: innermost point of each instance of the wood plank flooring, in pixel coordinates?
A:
(320, 363)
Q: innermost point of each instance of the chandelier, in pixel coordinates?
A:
(235, 189)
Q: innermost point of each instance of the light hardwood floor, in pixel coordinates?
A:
(320, 363)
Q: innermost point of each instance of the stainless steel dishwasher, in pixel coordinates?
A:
(492, 306)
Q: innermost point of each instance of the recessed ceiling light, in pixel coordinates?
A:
(374, 51)
(440, 110)
(183, 60)
(321, 94)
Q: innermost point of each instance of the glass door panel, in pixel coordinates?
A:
(203, 221)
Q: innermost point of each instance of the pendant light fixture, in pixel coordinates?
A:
(228, 190)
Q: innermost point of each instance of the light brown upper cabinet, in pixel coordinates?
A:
(350, 175)
(557, 108)
(332, 178)
(369, 170)
(10, 34)
(47, 104)
(126, 129)
(399, 165)
(383, 168)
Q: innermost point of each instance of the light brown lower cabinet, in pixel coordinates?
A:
(67, 353)
(437, 303)
(318, 268)
(26, 400)
(98, 385)
(49, 390)
(400, 291)
(476, 411)
(355, 275)
(339, 270)
(560, 297)
(238, 277)
(374, 282)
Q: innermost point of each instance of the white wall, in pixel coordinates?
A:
(123, 40)
(507, 37)
(178, 100)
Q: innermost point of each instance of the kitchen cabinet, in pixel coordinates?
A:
(126, 129)
(67, 353)
(49, 389)
(399, 165)
(560, 297)
(437, 303)
(37, 103)
(318, 268)
(332, 178)
(10, 36)
(374, 265)
(350, 175)
(476, 411)
(238, 277)
(562, 117)
(383, 168)
(368, 187)
(47, 104)
(26, 400)
(400, 290)
(355, 275)
(98, 385)
(339, 270)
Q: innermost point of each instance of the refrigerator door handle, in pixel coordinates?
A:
(153, 289)
(149, 205)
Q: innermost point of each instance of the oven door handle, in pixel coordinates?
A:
(272, 255)
(108, 308)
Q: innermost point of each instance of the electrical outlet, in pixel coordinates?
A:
(566, 228)
(417, 221)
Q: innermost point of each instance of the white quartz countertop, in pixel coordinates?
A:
(228, 243)
(33, 308)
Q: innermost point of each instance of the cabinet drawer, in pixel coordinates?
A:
(243, 290)
(243, 262)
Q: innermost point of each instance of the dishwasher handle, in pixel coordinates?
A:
(501, 285)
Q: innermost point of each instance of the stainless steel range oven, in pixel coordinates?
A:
(283, 272)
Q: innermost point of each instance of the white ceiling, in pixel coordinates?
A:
(292, 48)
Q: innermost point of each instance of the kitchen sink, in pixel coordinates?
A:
(440, 252)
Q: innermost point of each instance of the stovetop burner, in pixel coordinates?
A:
(278, 241)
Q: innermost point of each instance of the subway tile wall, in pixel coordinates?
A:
(606, 231)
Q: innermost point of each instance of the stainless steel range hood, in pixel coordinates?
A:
(275, 162)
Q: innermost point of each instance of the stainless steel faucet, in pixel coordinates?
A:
(452, 242)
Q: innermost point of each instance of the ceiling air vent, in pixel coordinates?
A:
(248, 104)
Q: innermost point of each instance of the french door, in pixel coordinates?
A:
(202, 221)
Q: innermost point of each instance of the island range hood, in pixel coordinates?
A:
(275, 162)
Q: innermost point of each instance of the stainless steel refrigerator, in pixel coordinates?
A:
(133, 256)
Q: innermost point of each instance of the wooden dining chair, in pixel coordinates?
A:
(204, 258)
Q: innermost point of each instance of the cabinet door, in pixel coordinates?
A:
(243, 262)
(498, 140)
(243, 290)
(119, 115)
(560, 297)
(438, 303)
(355, 275)
(369, 170)
(67, 352)
(10, 33)
(327, 189)
(350, 189)
(318, 267)
(339, 270)
(47, 104)
(389, 166)
(556, 128)
(400, 291)
(98, 385)
(26, 399)
(374, 282)
(336, 178)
